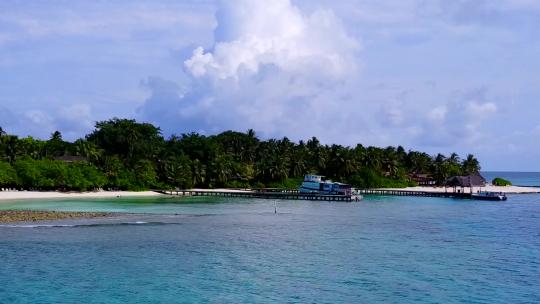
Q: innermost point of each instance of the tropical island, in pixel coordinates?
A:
(123, 154)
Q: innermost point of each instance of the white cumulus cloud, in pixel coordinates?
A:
(252, 34)
(71, 121)
(437, 115)
(272, 68)
(460, 120)
(476, 108)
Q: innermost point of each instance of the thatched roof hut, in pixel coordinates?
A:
(474, 180)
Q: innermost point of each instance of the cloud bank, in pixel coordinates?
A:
(72, 120)
(284, 72)
(272, 68)
(439, 76)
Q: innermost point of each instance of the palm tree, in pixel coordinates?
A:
(36, 149)
(198, 172)
(441, 169)
(298, 163)
(349, 165)
(251, 146)
(132, 138)
(390, 166)
(454, 166)
(373, 158)
(341, 163)
(251, 134)
(11, 146)
(57, 136)
(317, 155)
(417, 162)
(176, 170)
(471, 165)
(88, 150)
(221, 169)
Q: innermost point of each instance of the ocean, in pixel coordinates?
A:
(528, 179)
(212, 250)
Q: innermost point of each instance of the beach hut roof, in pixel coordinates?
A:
(473, 180)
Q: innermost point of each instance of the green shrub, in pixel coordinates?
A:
(288, 183)
(367, 179)
(8, 175)
(237, 184)
(57, 175)
(411, 183)
(501, 182)
(259, 185)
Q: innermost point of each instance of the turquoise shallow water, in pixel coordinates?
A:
(195, 250)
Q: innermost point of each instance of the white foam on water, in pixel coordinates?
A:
(81, 225)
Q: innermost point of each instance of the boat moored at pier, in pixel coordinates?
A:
(489, 196)
(316, 184)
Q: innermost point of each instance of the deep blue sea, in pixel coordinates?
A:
(201, 250)
(517, 178)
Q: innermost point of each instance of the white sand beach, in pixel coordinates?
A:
(504, 189)
(220, 190)
(14, 195)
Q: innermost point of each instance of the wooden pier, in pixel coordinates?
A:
(288, 194)
(393, 192)
(274, 194)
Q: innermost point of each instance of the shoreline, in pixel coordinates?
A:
(23, 195)
(29, 195)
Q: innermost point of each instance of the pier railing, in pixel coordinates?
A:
(394, 192)
(287, 194)
(291, 194)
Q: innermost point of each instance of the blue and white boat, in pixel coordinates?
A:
(317, 185)
(489, 196)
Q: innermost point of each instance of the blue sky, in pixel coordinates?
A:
(432, 75)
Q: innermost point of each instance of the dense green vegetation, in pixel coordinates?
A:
(127, 155)
(501, 182)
